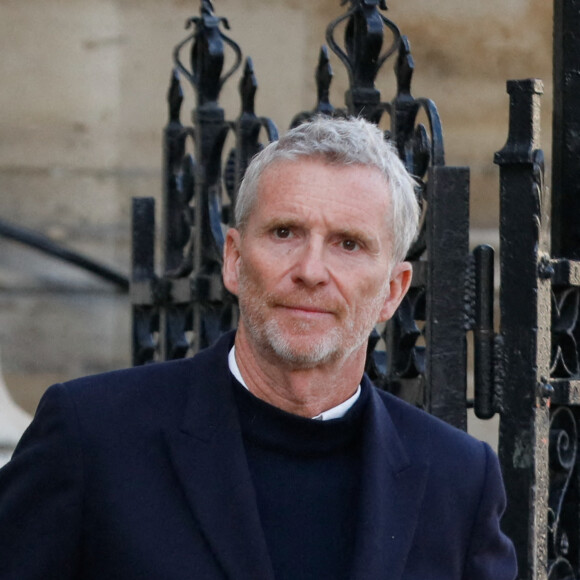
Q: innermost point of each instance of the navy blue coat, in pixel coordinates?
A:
(141, 474)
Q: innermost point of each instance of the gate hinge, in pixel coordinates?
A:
(499, 366)
(469, 295)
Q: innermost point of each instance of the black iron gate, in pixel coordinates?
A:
(528, 372)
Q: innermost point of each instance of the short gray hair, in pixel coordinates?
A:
(340, 142)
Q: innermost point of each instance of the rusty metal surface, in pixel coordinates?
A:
(525, 332)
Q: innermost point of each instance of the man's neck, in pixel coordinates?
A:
(302, 391)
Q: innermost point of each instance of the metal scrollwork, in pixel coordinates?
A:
(565, 333)
(397, 359)
(561, 570)
(419, 146)
(247, 129)
(188, 306)
(416, 147)
(179, 187)
(323, 77)
(362, 55)
(207, 54)
(563, 501)
(403, 337)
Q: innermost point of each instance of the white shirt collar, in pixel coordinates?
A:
(334, 413)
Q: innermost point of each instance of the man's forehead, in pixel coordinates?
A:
(289, 190)
(319, 170)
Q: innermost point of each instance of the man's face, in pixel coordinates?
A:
(312, 268)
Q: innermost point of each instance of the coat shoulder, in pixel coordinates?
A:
(424, 433)
(158, 390)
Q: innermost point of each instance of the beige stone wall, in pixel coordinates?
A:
(82, 107)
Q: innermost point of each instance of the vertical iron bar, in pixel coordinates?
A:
(483, 334)
(177, 191)
(209, 123)
(566, 130)
(210, 131)
(143, 280)
(247, 127)
(175, 234)
(448, 250)
(525, 334)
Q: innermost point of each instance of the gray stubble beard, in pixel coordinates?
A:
(267, 335)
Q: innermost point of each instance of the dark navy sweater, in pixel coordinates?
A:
(305, 473)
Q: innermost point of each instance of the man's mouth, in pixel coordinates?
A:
(307, 309)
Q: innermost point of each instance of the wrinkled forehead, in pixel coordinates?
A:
(295, 165)
(274, 179)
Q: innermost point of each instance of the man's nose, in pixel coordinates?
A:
(311, 268)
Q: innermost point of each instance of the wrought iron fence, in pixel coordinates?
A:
(527, 371)
(186, 307)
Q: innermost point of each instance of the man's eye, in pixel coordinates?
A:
(350, 245)
(282, 233)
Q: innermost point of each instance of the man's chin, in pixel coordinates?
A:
(305, 351)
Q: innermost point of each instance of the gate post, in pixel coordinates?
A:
(525, 333)
(447, 270)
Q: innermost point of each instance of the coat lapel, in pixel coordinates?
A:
(392, 489)
(209, 458)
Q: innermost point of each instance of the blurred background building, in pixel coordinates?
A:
(82, 109)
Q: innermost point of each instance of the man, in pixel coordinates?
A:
(269, 455)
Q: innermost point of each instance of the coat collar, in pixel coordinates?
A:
(208, 455)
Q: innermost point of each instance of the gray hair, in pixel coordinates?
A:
(340, 142)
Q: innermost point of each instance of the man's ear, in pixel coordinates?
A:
(399, 284)
(230, 269)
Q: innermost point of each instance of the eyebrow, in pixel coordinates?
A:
(279, 222)
(356, 234)
(347, 233)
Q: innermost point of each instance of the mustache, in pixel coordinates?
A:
(304, 301)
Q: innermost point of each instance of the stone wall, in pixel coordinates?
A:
(82, 107)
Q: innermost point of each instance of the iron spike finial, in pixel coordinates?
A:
(381, 3)
(362, 57)
(248, 87)
(207, 54)
(324, 76)
(174, 97)
(404, 67)
(207, 7)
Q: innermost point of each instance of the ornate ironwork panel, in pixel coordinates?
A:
(186, 307)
